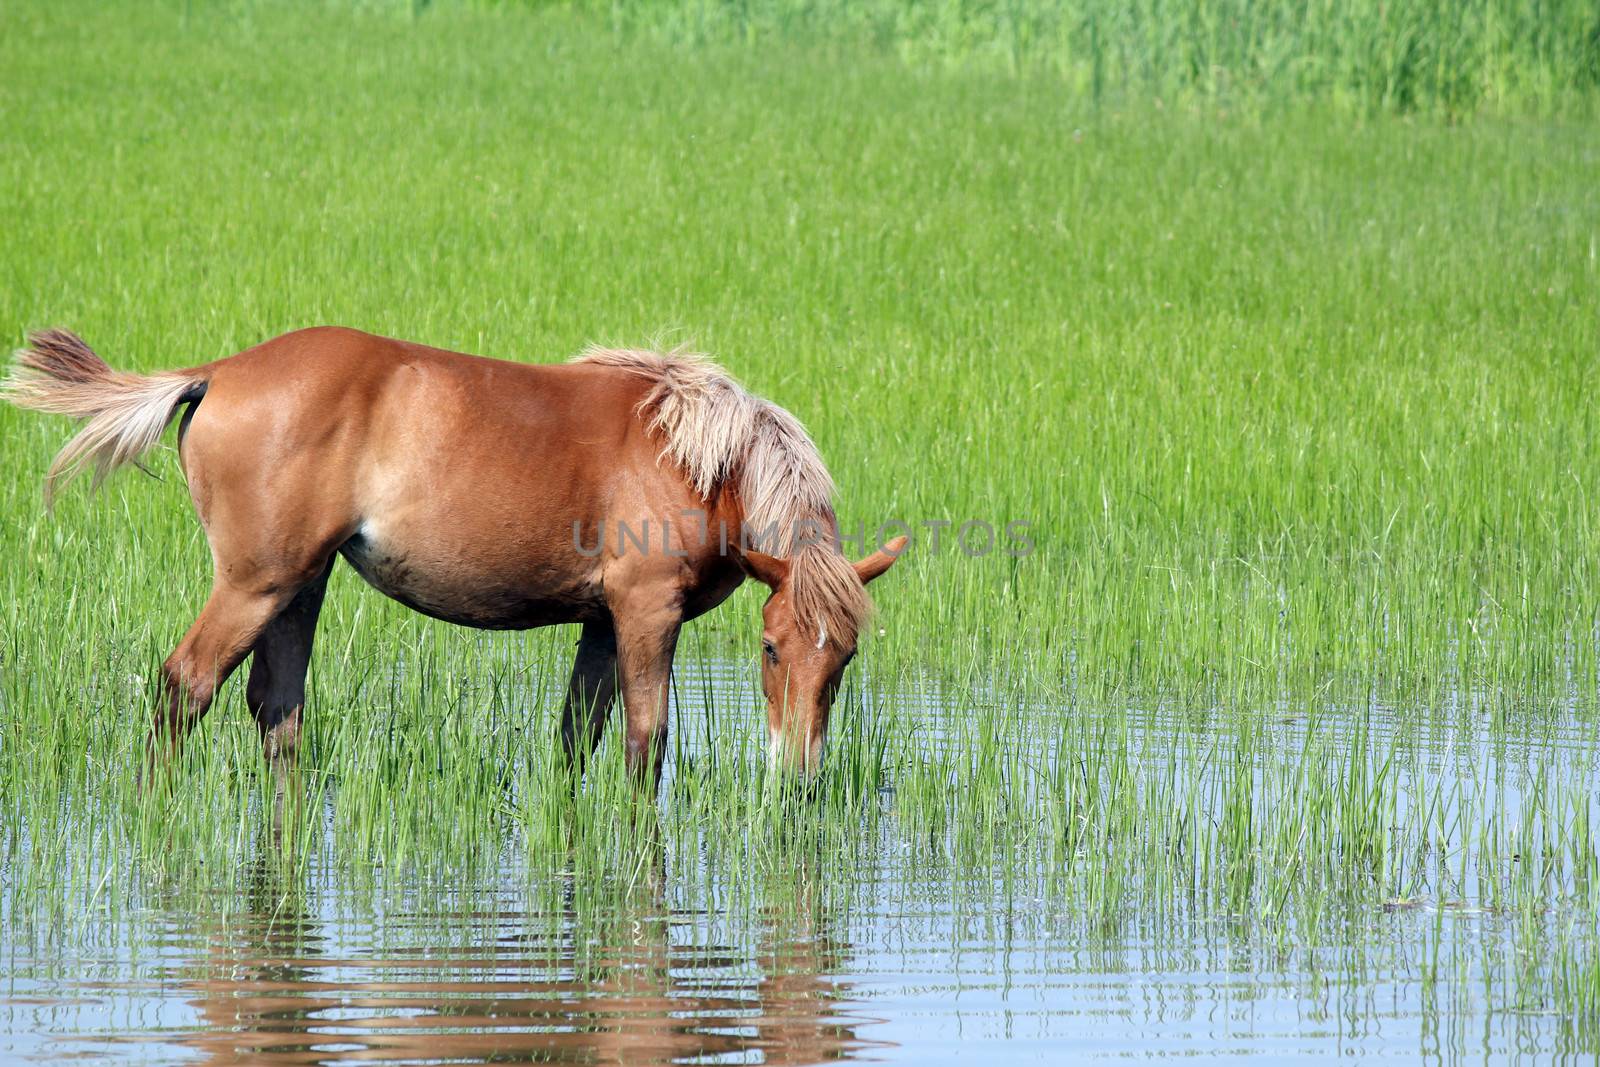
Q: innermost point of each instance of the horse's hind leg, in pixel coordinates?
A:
(590, 692)
(276, 691)
(220, 638)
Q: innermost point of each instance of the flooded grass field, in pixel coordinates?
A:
(1065, 880)
(1278, 742)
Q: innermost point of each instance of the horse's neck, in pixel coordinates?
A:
(784, 536)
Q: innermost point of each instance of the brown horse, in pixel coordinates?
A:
(624, 491)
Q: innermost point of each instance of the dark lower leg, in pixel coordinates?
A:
(590, 692)
(276, 691)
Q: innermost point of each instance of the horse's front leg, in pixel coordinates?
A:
(590, 693)
(646, 641)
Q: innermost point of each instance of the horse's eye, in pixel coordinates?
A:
(770, 650)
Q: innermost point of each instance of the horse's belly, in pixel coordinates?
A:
(469, 589)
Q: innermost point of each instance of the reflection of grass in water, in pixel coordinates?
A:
(1296, 406)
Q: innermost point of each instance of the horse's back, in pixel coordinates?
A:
(340, 369)
(352, 404)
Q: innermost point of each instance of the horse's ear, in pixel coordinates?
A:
(881, 560)
(769, 570)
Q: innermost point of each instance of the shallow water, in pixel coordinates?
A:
(306, 978)
(894, 953)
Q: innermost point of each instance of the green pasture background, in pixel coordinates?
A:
(1444, 56)
(1284, 348)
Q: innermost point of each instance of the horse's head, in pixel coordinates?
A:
(801, 662)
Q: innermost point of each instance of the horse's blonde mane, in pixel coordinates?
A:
(714, 430)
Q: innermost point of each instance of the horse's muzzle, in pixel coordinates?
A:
(794, 754)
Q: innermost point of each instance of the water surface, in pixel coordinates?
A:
(904, 950)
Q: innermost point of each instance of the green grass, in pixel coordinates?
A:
(1295, 397)
(1395, 55)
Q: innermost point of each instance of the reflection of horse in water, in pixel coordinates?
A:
(623, 990)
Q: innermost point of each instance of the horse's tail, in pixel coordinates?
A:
(126, 413)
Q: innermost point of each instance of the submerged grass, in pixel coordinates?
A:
(1294, 403)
